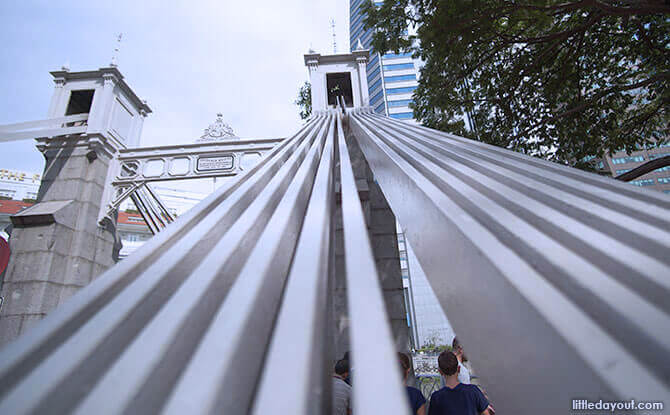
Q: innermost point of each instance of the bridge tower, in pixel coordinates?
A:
(343, 75)
(58, 246)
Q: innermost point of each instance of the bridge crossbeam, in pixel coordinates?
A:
(191, 161)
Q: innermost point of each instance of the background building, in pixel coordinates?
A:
(19, 185)
(392, 78)
(620, 163)
(18, 191)
(427, 321)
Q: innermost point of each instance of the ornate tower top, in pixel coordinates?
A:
(217, 131)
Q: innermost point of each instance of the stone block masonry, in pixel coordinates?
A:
(382, 233)
(57, 245)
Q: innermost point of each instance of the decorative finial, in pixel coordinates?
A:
(66, 66)
(217, 131)
(359, 46)
(116, 50)
(332, 26)
(311, 49)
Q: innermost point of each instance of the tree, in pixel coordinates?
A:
(304, 101)
(565, 80)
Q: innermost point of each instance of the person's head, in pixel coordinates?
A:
(447, 364)
(342, 368)
(458, 349)
(404, 364)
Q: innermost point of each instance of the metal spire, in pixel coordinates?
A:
(359, 45)
(332, 26)
(116, 50)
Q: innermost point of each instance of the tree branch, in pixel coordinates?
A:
(590, 100)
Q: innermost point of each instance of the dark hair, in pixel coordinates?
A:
(404, 362)
(342, 367)
(447, 362)
(455, 344)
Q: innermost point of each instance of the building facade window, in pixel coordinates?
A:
(643, 182)
(376, 84)
(658, 156)
(374, 99)
(373, 61)
(622, 171)
(398, 66)
(372, 74)
(664, 179)
(399, 78)
(7, 193)
(402, 115)
(629, 159)
(397, 55)
(400, 103)
(400, 90)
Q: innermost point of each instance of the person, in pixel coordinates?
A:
(341, 391)
(351, 369)
(464, 372)
(416, 400)
(456, 398)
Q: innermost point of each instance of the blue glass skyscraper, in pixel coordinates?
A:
(392, 78)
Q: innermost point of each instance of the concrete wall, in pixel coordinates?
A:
(57, 245)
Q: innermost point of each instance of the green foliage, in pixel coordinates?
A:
(304, 101)
(433, 345)
(560, 79)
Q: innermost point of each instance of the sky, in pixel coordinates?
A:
(188, 59)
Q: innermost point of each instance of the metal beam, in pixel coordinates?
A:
(564, 270)
(378, 387)
(152, 209)
(546, 272)
(27, 135)
(152, 323)
(51, 127)
(42, 124)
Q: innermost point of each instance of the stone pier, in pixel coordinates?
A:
(57, 245)
(62, 243)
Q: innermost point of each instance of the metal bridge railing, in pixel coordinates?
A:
(556, 280)
(214, 312)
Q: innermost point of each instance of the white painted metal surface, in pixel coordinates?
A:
(556, 281)
(44, 128)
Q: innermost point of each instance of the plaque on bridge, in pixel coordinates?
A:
(223, 162)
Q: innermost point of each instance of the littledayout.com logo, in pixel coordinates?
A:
(611, 406)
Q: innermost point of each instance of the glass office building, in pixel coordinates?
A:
(427, 322)
(392, 78)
